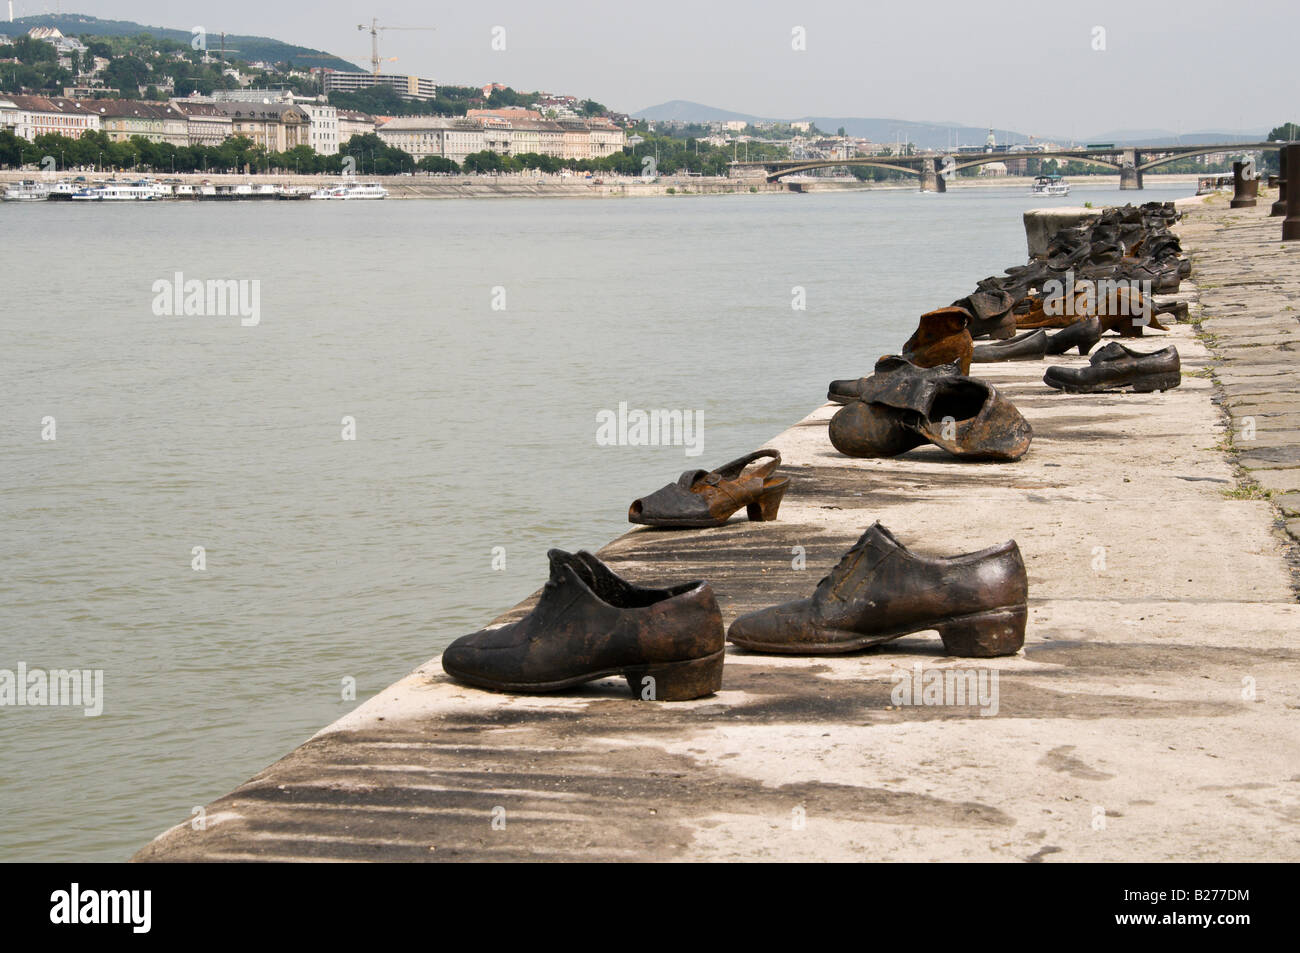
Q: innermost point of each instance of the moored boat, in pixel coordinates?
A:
(1050, 185)
(27, 190)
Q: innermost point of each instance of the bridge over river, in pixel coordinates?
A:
(934, 168)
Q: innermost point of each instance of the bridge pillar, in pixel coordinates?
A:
(941, 183)
(1279, 207)
(929, 178)
(1245, 190)
(1130, 177)
(1291, 224)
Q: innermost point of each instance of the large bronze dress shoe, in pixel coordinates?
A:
(702, 498)
(589, 623)
(941, 338)
(1115, 367)
(844, 391)
(1029, 346)
(910, 406)
(880, 591)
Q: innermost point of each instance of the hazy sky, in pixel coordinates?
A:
(1032, 67)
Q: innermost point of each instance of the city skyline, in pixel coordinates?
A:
(1117, 68)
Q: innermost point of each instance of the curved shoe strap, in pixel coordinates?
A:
(732, 470)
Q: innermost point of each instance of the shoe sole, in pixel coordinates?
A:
(1156, 382)
(667, 681)
(986, 634)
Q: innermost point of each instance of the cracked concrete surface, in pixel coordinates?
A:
(1152, 715)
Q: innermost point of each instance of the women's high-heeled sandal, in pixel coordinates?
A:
(702, 498)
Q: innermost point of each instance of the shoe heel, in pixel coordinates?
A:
(676, 681)
(767, 505)
(985, 634)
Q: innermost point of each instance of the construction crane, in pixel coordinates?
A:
(374, 29)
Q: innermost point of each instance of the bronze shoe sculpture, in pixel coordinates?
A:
(941, 338)
(844, 391)
(589, 623)
(1082, 335)
(909, 406)
(1029, 346)
(702, 498)
(880, 590)
(990, 310)
(1115, 367)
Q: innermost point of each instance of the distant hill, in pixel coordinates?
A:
(1146, 137)
(251, 48)
(926, 135)
(932, 135)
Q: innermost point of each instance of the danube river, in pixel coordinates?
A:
(234, 517)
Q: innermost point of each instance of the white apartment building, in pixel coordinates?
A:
(324, 130)
(422, 136)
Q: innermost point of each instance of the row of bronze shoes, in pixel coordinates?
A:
(668, 643)
(925, 395)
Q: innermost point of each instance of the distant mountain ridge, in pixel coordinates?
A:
(930, 135)
(250, 48)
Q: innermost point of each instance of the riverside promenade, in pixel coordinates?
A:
(1152, 715)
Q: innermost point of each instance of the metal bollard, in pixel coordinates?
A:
(1291, 224)
(1279, 207)
(1244, 190)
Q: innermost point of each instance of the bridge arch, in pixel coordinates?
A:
(986, 158)
(836, 163)
(1201, 151)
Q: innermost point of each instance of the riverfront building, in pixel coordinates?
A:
(207, 124)
(30, 116)
(277, 127)
(457, 138)
(121, 119)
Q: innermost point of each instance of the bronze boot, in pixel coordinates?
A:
(589, 623)
(881, 591)
(909, 406)
(941, 338)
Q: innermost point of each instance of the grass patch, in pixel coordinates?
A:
(1249, 490)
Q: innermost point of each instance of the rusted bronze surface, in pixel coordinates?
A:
(591, 623)
(702, 498)
(909, 406)
(1116, 367)
(881, 591)
(941, 338)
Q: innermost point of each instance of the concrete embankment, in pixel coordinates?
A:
(554, 186)
(1150, 716)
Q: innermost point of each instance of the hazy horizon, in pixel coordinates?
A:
(1052, 73)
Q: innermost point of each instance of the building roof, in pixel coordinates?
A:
(133, 109)
(264, 111)
(199, 109)
(46, 104)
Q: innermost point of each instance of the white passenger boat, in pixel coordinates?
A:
(1050, 185)
(116, 192)
(62, 191)
(351, 190)
(27, 190)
